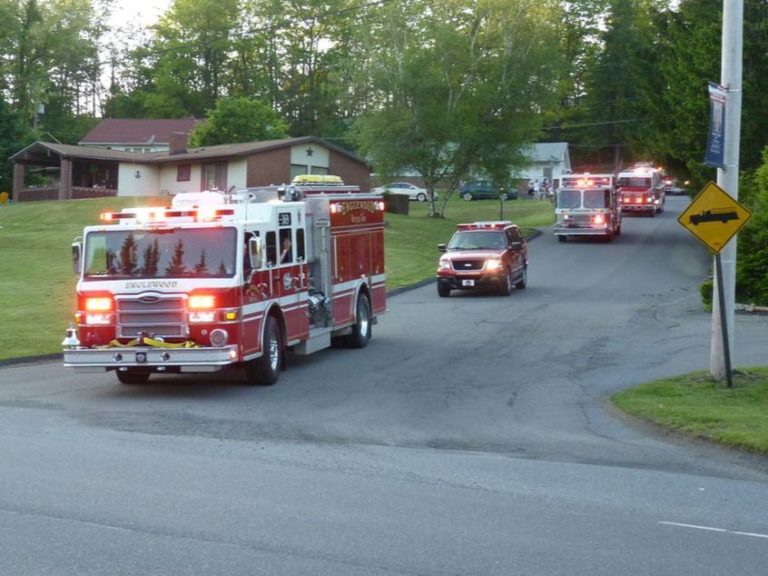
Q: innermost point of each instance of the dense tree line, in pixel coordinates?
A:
(443, 87)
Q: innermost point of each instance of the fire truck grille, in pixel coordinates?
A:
(163, 317)
(468, 264)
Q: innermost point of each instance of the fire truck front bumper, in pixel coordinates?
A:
(201, 359)
(602, 230)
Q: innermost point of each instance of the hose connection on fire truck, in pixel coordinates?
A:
(220, 279)
(642, 189)
(587, 205)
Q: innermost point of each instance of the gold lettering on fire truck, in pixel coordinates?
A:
(151, 284)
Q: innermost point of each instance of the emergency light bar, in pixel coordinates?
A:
(201, 214)
(498, 225)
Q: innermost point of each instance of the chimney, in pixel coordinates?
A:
(178, 142)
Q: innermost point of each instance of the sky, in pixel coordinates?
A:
(145, 11)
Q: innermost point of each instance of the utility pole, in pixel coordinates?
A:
(728, 180)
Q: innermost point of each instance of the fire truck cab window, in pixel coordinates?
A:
(286, 246)
(301, 254)
(271, 249)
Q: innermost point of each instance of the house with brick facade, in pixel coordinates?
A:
(87, 172)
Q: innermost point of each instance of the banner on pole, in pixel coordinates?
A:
(716, 136)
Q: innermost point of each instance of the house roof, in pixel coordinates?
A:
(134, 131)
(548, 152)
(38, 151)
(248, 148)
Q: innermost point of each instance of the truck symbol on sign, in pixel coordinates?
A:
(714, 215)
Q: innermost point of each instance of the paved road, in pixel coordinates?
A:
(471, 437)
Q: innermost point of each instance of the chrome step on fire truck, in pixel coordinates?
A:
(222, 279)
(587, 205)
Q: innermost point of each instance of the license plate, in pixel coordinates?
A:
(468, 283)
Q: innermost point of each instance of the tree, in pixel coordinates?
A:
(13, 137)
(459, 88)
(752, 259)
(238, 120)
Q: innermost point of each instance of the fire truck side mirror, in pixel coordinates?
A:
(255, 248)
(77, 250)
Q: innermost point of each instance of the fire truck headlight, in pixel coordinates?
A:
(99, 304)
(598, 219)
(98, 319)
(201, 302)
(493, 265)
(200, 316)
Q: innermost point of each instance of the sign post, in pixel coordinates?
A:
(714, 217)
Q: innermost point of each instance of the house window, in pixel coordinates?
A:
(183, 173)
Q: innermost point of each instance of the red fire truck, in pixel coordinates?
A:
(642, 190)
(222, 279)
(587, 205)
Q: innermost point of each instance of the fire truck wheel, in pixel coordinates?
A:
(361, 329)
(523, 282)
(562, 238)
(265, 371)
(132, 376)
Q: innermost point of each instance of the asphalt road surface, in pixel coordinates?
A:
(471, 437)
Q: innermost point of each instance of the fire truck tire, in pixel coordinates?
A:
(523, 282)
(265, 371)
(361, 329)
(132, 376)
(562, 238)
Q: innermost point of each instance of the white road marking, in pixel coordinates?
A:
(711, 529)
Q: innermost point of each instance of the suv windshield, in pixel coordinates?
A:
(478, 240)
(196, 252)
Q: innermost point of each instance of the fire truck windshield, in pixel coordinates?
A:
(569, 199)
(189, 252)
(635, 182)
(597, 198)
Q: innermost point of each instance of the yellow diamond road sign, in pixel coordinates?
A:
(714, 217)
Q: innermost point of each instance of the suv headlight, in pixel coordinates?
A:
(493, 265)
(444, 264)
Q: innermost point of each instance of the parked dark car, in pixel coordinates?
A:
(485, 189)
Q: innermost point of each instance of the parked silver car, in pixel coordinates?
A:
(411, 190)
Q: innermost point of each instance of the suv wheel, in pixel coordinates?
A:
(523, 282)
(467, 196)
(443, 290)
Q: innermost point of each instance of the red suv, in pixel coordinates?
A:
(482, 255)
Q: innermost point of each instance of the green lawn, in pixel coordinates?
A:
(37, 284)
(698, 406)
